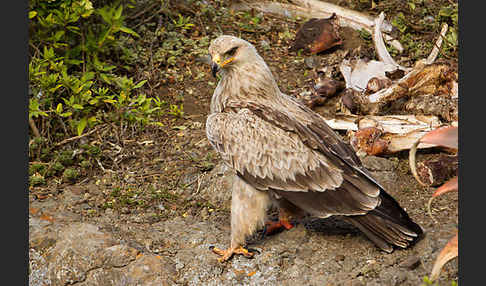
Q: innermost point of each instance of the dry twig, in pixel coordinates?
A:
(435, 51)
(80, 136)
(34, 128)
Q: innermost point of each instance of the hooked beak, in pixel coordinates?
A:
(214, 69)
(217, 64)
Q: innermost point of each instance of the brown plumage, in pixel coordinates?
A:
(283, 153)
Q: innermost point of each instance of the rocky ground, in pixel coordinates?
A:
(159, 198)
(116, 248)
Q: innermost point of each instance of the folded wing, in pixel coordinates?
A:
(271, 154)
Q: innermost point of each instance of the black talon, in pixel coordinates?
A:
(253, 250)
(264, 232)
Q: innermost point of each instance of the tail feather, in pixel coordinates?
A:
(388, 225)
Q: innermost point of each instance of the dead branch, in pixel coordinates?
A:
(401, 142)
(395, 91)
(317, 9)
(400, 124)
(380, 47)
(394, 133)
(357, 73)
(34, 128)
(395, 124)
(435, 171)
(343, 122)
(78, 137)
(435, 51)
(347, 17)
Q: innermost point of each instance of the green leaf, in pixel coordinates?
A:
(59, 108)
(129, 31)
(88, 76)
(108, 68)
(73, 28)
(103, 37)
(103, 12)
(105, 78)
(74, 62)
(81, 125)
(92, 119)
(58, 35)
(138, 85)
(32, 14)
(55, 88)
(66, 114)
(118, 12)
(158, 123)
(78, 106)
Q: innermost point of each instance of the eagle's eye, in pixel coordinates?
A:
(231, 52)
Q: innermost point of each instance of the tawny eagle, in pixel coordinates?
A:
(284, 154)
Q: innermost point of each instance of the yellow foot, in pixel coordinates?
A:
(228, 253)
(272, 227)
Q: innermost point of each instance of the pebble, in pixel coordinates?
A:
(265, 45)
(161, 207)
(411, 262)
(339, 257)
(310, 62)
(429, 19)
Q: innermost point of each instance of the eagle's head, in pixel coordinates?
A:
(227, 52)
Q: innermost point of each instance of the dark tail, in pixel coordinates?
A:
(388, 225)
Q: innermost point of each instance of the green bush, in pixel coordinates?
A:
(78, 69)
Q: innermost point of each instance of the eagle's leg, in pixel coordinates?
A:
(248, 212)
(287, 212)
(284, 218)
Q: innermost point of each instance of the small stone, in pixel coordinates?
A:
(204, 214)
(429, 19)
(339, 257)
(161, 207)
(85, 206)
(265, 45)
(374, 163)
(310, 62)
(411, 262)
(109, 212)
(119, 255)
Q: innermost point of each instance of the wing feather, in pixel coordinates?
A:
(313, 131)
(270, 157)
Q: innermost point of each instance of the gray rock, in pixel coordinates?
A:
(411, 262)
(265, 45)
(41, 236)
(119, 255)
(374, 163)
(151, 270)
(76, 252)
(216, 187)
(311, 62)
(37, 269)
(108, 276)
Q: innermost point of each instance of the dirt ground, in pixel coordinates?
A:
(163, 191)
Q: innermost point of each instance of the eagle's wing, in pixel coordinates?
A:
(297, 118)
(269, 153)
